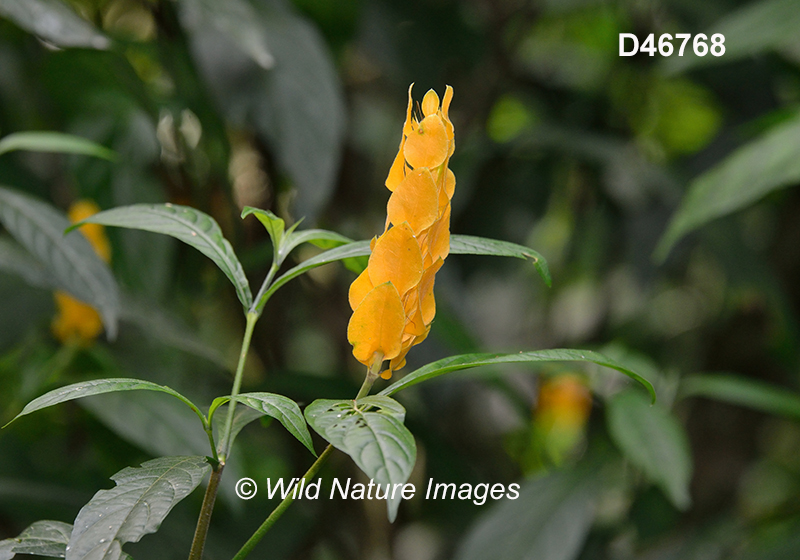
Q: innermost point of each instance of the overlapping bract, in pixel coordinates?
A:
(392, 300)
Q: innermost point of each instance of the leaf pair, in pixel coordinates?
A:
(279, 407)
(371, 429)
(141, 500)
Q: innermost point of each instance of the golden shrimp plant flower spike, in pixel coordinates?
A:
(392, 299)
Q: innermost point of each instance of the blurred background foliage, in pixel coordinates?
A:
(562, 145)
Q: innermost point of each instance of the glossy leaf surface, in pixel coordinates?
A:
(98, 387)
(193, 227)
(137, 506)
(371, 431)
(43, 538)
(467, 361)
(282, 409)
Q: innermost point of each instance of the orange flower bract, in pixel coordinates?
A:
(392, 300)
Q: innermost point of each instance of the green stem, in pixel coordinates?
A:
(258, 305)
(203, 522)
(200, 533)
(372, 375)
(282, 507)
(237, 383)
(369, 379)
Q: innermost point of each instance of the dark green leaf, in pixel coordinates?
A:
(243, 416)
(16, 260)
(753, 29)
(466, 361)
(54, 22)
(459, 244)
(70, 260)
(283, 409)
(237, 20)
(371, 431)
(321, 238)
(135, 507)
(274, 225)
(191, 226)
(57, 142)
(471, 245)
(653, 440)
(354, 249)
(302, 110)
(768, 163)
(98, 387)
(548, 521)
(43, 538)
(745, 392)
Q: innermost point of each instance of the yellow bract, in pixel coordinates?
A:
(376, 327)
(396, 258)
(75, 320)
(415, 201)
(386, 323)
(95, 233)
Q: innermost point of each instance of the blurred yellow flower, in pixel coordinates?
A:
(392, 300)
(564, 403)
(561, 414)
(75, 320)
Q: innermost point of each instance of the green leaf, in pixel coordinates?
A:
(191, 226)
(550, 520)
(466, 361)
(16, 260)
(321, 238)
(754, 170)
(653, 440)
(237, 20)
(243, 416)
(43, 538)
(70, 260)
(274, 225)
(459, 245)
(745, 392)
(54, 22)
(371, 431)
(354, 249)
(471, 245)
(753, 29)
(99, 387)
(283, 409)
(137, 505)
(57, 142)
(301, 109)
